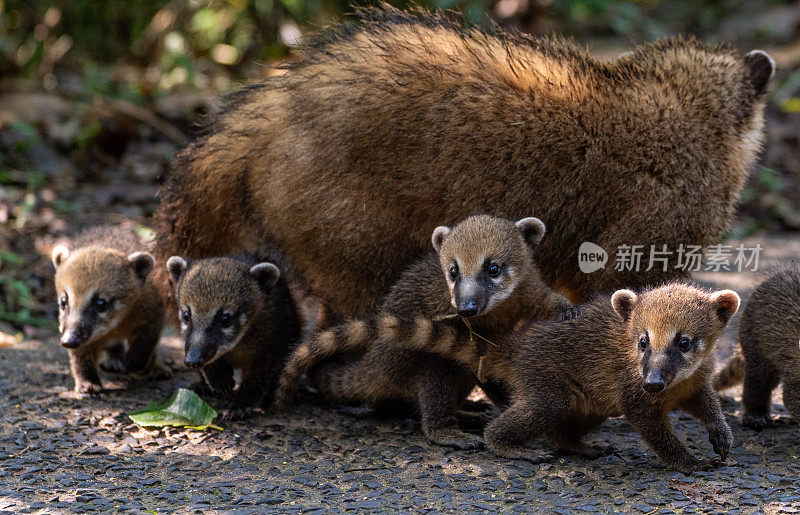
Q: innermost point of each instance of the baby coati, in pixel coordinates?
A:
(235, 314)
(408, 120)
(105, 295)
(482, 272)
(635, 355)
(769, 337)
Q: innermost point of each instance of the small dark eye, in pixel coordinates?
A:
(62, 303)
(186, 317)
(643, 343)
(453, 272)
(101, 305)
(685, 344)
(225, 321)
(493, 270)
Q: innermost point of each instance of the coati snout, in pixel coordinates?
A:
(216, 308)
(93, 287)
(483, 271)
(671, 343)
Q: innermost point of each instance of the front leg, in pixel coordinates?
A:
(652, 422)
(142, 345)
(218, 377)
(83, 365)
(704, 405)
(250, 392)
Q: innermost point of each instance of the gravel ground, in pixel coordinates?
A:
(61, 453)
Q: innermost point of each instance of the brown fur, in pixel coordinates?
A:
(769, 336)
(264, 326)
(421, 308)
(565, 378)
(108, 264)
(386, 128)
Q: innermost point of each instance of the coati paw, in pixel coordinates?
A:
(536, 457)
(592, 452)
(721, 440)
(114, 366)
(231, 414)
(87, 388)
(456, 439)
(569, 313)
(758, 422)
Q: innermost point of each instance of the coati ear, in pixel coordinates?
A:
(59, 255)
(439, 234)
(142, 263)
(176, 266)
(726, 303)
(759, 69)
(623, 302)
(266, 274)
(532, 230)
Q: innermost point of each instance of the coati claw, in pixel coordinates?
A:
(456, 439)
(537, 457)
(592, 452)
(758, 422)
(87, 388)
(237, 414)
(721, 440)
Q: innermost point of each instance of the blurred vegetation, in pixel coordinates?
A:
(134, 49)
(96, 96)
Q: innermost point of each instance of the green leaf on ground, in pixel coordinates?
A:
(184, 409)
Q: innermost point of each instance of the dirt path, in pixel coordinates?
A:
(62, 453)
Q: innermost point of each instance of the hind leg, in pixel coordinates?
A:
(569, 438)
(439, 396)
(759, 380)
(523, 422)
(791, 394)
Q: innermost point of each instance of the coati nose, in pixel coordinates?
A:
(194, 359)
(71, 339)
(467, 308)
(654, 383)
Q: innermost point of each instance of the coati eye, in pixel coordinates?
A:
(101, 305)
(493, 270)
(186, 317)
(643, 341)
(685, 344)
(225, 320)
(453, 272)
(62, 303)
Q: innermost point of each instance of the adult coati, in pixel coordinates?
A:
(638, 355)
(387, 128)
(235, 314)
(769, 339)
(106, 294)
(482, 272)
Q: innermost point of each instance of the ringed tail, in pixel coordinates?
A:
(357, 335)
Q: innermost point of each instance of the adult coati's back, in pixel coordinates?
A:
(386, 129)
